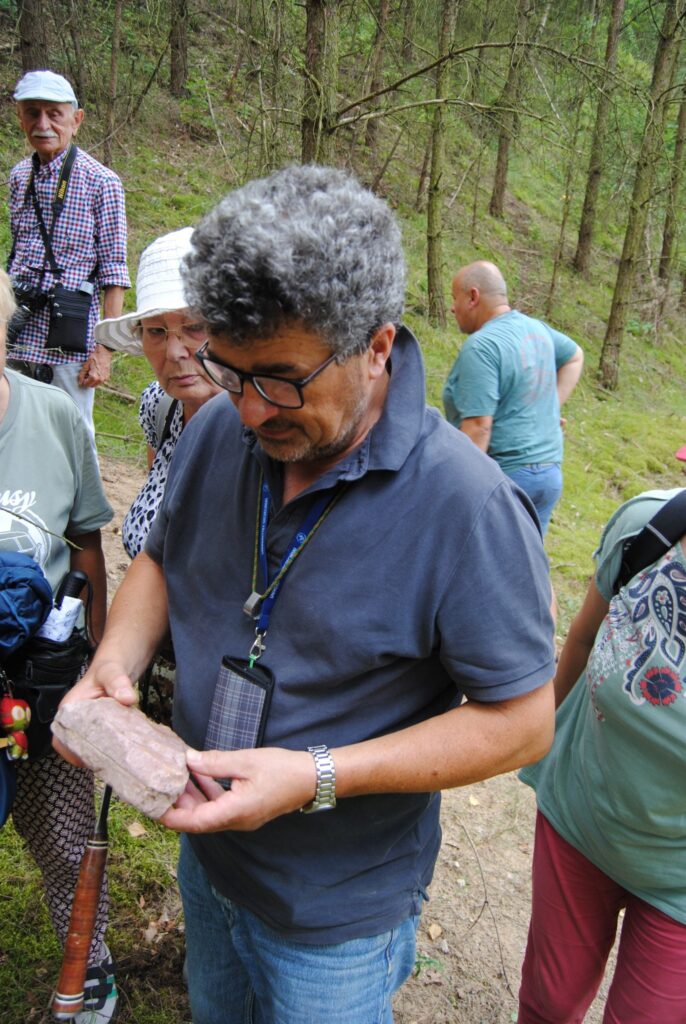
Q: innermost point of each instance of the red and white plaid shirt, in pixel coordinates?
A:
(90, 232)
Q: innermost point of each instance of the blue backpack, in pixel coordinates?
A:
(25, 603)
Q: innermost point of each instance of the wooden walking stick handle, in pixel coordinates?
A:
(68, 998)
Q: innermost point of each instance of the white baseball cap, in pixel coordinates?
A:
(159, 289)
(45, 85)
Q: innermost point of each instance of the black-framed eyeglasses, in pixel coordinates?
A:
(280, 391)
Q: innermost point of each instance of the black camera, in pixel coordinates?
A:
(29, 299)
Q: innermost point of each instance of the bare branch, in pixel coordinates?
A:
(580, 63)
(483, 107)
(214, 120)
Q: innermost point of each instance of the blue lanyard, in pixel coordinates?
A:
(300, 536)
(272, 587)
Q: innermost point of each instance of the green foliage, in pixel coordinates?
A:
(28, 936)
(423, 963)
(146, 932)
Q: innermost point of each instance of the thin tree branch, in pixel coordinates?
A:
(214, 120)
(370, 114)
(572, 58)
(486, 904)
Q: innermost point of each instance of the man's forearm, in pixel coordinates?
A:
(135, 627)
(465, 745)
(568, 376)
(478, 428)
(137, 622)
(112, 301)
(470, 743)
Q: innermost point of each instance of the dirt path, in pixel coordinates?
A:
(473, 931)
(122, 481)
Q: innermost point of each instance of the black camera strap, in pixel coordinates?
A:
(57, 204)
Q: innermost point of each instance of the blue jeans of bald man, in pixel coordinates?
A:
(542, 481)
(242, 972)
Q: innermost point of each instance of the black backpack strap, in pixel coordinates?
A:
(164, 417)
(654, 540)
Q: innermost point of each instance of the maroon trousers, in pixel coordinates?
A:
(574, 917)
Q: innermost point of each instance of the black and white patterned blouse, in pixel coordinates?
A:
(144, 507)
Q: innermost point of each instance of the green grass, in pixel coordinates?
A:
(146, 931)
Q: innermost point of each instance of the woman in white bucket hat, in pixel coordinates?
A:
(163, 330)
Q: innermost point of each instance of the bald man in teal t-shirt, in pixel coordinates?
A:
(508, 383)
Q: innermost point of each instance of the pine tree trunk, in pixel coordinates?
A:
(496, 206)
(671, 218)
(506, 115)
(377, 68)
(582, 257)
(276, 42)
(178, 49)
(422, 180)
(112, 90)
(488, 20)
(32, 35)
(587, 49)
(321, 78)
(76, 14)
(434, 227)
(667, 48)
(409, 15)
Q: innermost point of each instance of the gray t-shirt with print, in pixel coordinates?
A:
(49, 480)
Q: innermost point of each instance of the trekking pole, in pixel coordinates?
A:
(68, 998)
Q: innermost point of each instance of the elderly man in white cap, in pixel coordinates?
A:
(68, 224)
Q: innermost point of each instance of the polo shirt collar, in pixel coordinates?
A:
(394, 435)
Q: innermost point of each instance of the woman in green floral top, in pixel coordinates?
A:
(611, 828)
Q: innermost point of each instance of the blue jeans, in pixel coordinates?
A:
(242, 972)
(542, 481)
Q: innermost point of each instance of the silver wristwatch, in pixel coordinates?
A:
(325, 796)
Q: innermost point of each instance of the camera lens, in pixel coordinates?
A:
(17, 322)
(44, 373)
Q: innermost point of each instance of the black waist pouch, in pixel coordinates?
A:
(41, 673)
(69, 319)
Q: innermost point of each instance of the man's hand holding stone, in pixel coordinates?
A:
(265, 784)
(106, 679)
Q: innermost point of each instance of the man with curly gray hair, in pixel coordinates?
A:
(337, 566)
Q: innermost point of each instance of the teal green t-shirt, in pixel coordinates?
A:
(508, 370)
(613, 783)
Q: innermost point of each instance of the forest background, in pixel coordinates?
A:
(546, 135)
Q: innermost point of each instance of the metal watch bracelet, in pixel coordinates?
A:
(325, 795)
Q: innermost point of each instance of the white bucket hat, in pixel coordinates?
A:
(44, 85)
(159, 289)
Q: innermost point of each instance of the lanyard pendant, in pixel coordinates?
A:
(258, 646)
(251, 605)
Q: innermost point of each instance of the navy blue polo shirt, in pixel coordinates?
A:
(426, 583)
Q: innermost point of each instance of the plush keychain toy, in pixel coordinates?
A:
(15, 716)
